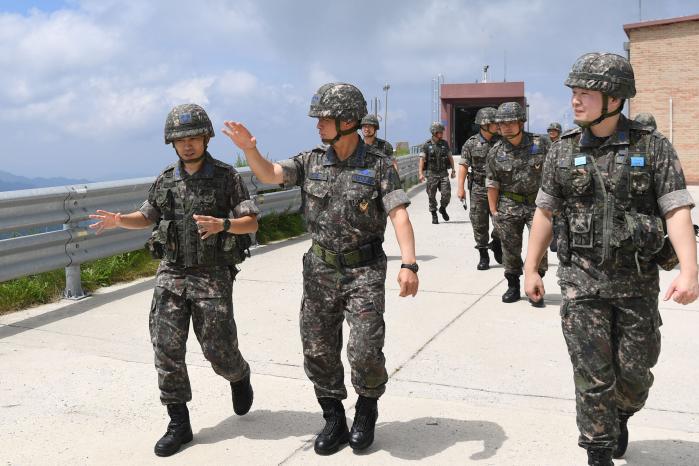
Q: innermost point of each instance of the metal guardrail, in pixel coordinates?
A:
(66, 210)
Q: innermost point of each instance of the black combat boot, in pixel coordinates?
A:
(623, 441)
(365, 415)
(242, 396)
(335, 432)
(512, 294)
(599, 457)
(435, 220)
(445, 215)
(484, 263)
(179, 431)
(496, 246)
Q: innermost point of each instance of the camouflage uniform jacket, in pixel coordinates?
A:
(217, 190)
(345, 203)
(384, 146)
(436, 156)
(474, 153)
(515, 169)
(612, 195)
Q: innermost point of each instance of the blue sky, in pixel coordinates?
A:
(86, 84)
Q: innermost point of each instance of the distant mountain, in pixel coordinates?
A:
(10, 182)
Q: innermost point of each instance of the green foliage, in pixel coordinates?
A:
(240, 161)
(402, 151)
(273, 227)
(47, 287)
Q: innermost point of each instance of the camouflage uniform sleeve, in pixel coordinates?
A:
(670, 186)
(388, 149)
(293, 171)
(423, 150)
(148, 208)
(549, 196)
(392, 193)
(465, 155)
(240, 198)
(491, 175)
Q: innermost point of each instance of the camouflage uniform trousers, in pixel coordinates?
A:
(215, 329)
(509, 224)
(442, 184)
(479, 214)
(329, 296)
(613, 344)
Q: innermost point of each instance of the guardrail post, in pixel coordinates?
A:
(74, 287)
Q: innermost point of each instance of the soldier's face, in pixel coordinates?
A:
(553, 134)
(587, 104)
(368, 131)
(509, 128)
(190, 148)
(492, 128)
(438, 135)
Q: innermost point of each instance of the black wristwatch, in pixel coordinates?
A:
(414, 267)
(226, 225)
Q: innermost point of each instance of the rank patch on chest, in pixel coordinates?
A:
(364, 206)
(318, 176)
(364, 176)
(581, 160)
(638, 161)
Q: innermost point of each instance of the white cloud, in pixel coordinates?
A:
(544, 110)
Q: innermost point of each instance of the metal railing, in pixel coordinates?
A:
(50, 224)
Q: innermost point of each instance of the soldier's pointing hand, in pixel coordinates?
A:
(240, 135)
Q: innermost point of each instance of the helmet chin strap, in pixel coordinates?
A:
(514, 136)
(340, 132)
(485, 129)
(605, 114)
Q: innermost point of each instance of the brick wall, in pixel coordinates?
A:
(665, 60)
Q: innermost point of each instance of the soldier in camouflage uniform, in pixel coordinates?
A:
(554, 132)
(473, 155)
(617, 187)
(646, 119)
(370, 126)
(435, 159)
(348, 190)
(191, 202)
(513, 177)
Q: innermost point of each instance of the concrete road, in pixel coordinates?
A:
(472, 380)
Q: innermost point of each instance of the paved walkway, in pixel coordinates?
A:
(472, 381)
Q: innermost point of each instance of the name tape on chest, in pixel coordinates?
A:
(364, 176)
(318, 176)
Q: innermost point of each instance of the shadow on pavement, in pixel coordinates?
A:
(655, 452)
(74, 309)
(412, 440)
(422, 258)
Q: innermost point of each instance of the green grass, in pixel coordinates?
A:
(274, 227)
(47, 287)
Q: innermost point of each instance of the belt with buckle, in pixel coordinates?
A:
(363, 255)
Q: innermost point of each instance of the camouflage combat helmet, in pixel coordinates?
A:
(510, 111)
(646, 119)
(372, 120)
(340, 101)
(555, 126)
(485, 116)
(436, 127)
(609, 73)
(186, 121)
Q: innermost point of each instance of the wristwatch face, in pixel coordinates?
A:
(226, 224)
(413, 267)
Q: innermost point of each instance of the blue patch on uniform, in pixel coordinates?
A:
(535, 148)
(318, 176)
(364, 176)
(582, 160)
(638, 161)
(185, 118)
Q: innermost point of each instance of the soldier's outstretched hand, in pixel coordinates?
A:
(207, 225)
(534, 286)
(107, 220)
(684, 289)
(408, 282)
(240, 135)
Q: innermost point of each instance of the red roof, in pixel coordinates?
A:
(659, 22)
(512, 89)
